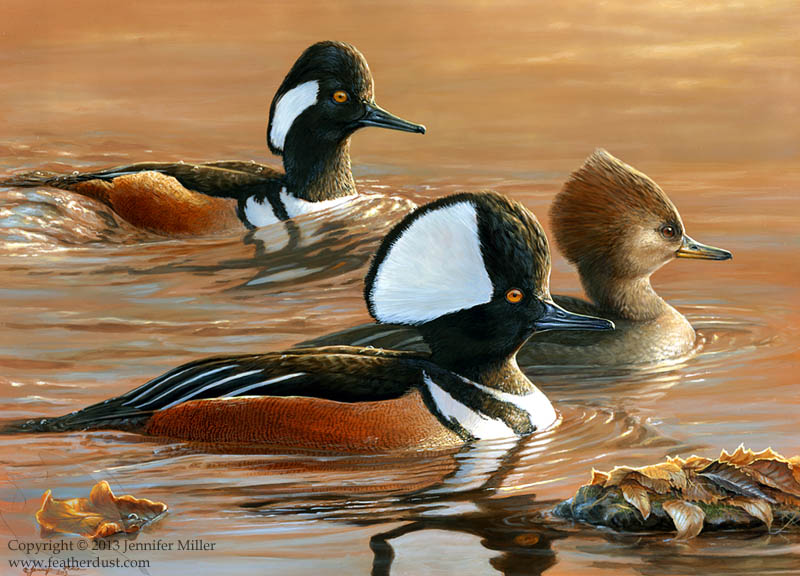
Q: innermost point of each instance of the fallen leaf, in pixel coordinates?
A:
(782, 497)
(101, 515)
(696, 493)
(743, 457)
(699, 489)
(598, 477)
(775, 473)
(732, 478)
(688, 518)
(696, 463)
(756, 508)
(623, 473)
(636, 495)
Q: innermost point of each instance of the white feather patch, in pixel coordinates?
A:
(434, 268)
(297, 206)
(289, 107)
(480, 426)
(535, 404)
(259, 213)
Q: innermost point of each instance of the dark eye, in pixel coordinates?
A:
(515, 295)
(668, 231)
(340, 96)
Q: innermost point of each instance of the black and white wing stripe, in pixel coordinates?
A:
(214, 378)
(335, 373)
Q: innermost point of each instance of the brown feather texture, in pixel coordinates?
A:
(600, 203)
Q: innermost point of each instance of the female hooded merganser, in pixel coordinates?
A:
(471, 271)
(327, 95)
(618, 227)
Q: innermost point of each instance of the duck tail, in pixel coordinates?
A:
(86, 184)
(90, 418)
(31, 426)
(33, 179)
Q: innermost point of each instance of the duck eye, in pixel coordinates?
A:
(340, 96)
(514, 296)
(668, 231)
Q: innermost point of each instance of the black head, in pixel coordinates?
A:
(472, 271)
(327, 95)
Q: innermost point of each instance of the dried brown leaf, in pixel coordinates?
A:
(756, 508)
(743, 457)
(659, 477)
(636, 495)
(687, 517)
(782, 497)
(775, 473)
(696, 463)
(731, 478)
(598, 477)
(699, 489)
(101, 515)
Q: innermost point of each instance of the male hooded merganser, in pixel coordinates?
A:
(471, 271)
(327, 95)
(618, 227)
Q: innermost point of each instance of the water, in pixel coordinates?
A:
(702, 97)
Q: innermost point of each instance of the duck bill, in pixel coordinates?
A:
(695, 250)
(556, 318)
(377, 116)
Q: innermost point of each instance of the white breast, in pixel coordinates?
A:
(535, 404)
(260, 213)
(477, 424)
(296, 207)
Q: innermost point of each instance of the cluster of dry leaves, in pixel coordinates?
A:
(758, 483)
(99, 516)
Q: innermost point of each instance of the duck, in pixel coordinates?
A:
(327, 95)
(470, 271)
(617, 227)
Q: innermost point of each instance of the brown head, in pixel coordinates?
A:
(612, 220)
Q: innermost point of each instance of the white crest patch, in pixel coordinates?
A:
(289, 107)
(434, 268)
(477, 424)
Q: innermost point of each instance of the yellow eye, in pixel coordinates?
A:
(514, 296)
(340, 96)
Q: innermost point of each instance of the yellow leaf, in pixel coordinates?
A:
(101, 515)
(659, 477)
(696, 463)
(688, 518)
(756, 508)
(635, 494)
(743, 457)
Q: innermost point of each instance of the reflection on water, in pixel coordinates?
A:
(702, 97)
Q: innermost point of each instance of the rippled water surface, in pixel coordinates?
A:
(701, 96)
